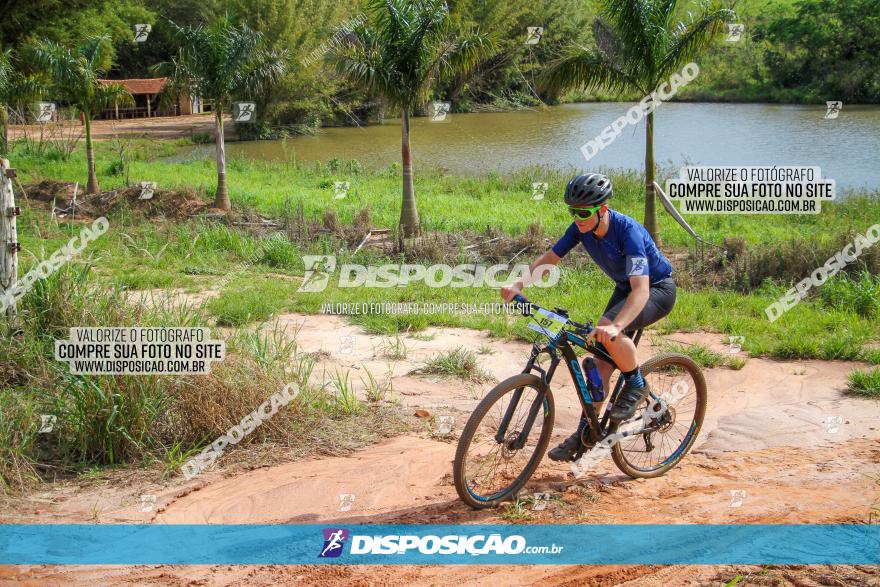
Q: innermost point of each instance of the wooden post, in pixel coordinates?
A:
(149, 97)
(9, 246)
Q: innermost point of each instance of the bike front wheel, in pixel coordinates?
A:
(487, 471)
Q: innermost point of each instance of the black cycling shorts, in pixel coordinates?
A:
(661, 300)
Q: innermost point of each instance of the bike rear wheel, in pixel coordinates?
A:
(671, 376)
(488, 472)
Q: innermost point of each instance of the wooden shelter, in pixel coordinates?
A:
(146, 100)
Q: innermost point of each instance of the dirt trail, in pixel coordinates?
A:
(781, 444)
(166, 127)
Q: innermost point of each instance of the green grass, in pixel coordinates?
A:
(446, 203)
(459, 363)
(241, 304)
(701, 354)
(256, 292)
(834, 323)
(864, 382)
(394, 348)
(518, 510)
(108, 421)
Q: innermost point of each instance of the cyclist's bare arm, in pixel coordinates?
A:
(537, 271)
(635, 301)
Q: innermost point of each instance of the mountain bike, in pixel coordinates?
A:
(506, 437)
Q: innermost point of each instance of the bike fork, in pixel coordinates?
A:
(533, 409)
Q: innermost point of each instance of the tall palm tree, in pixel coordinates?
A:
(75, 75)
(638, 51)
(222, 63)
(398, 54)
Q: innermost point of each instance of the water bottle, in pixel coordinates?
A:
(594, 380)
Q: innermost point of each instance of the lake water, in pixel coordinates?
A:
(846, 148)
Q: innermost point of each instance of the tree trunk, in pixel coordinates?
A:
(92, 187)
(222, 199)
(650, 199)
(409, 216)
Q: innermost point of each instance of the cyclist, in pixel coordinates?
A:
(644, 292)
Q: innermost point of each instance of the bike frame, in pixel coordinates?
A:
(562, 344)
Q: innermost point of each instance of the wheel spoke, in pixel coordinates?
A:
(491, 467)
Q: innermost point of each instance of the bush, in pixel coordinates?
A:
(859, 293)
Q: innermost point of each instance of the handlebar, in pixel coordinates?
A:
(529, 307)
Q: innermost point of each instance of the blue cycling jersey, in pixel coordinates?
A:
(626, 250)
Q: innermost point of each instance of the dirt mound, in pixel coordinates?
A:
(177, 204)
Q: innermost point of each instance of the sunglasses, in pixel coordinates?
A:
(584, 213)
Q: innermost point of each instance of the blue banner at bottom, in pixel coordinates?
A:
(62, 544)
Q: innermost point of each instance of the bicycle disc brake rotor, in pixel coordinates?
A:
(507, 450)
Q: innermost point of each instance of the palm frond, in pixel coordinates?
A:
(221, 62)
(97, 50)
(689, 38)
(584, 68)
(633, 25)
(108, 94)
(5, 68)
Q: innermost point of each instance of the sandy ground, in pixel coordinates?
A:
(780, 444)
(164, 127)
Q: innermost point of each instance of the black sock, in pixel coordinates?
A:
(634, 377)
